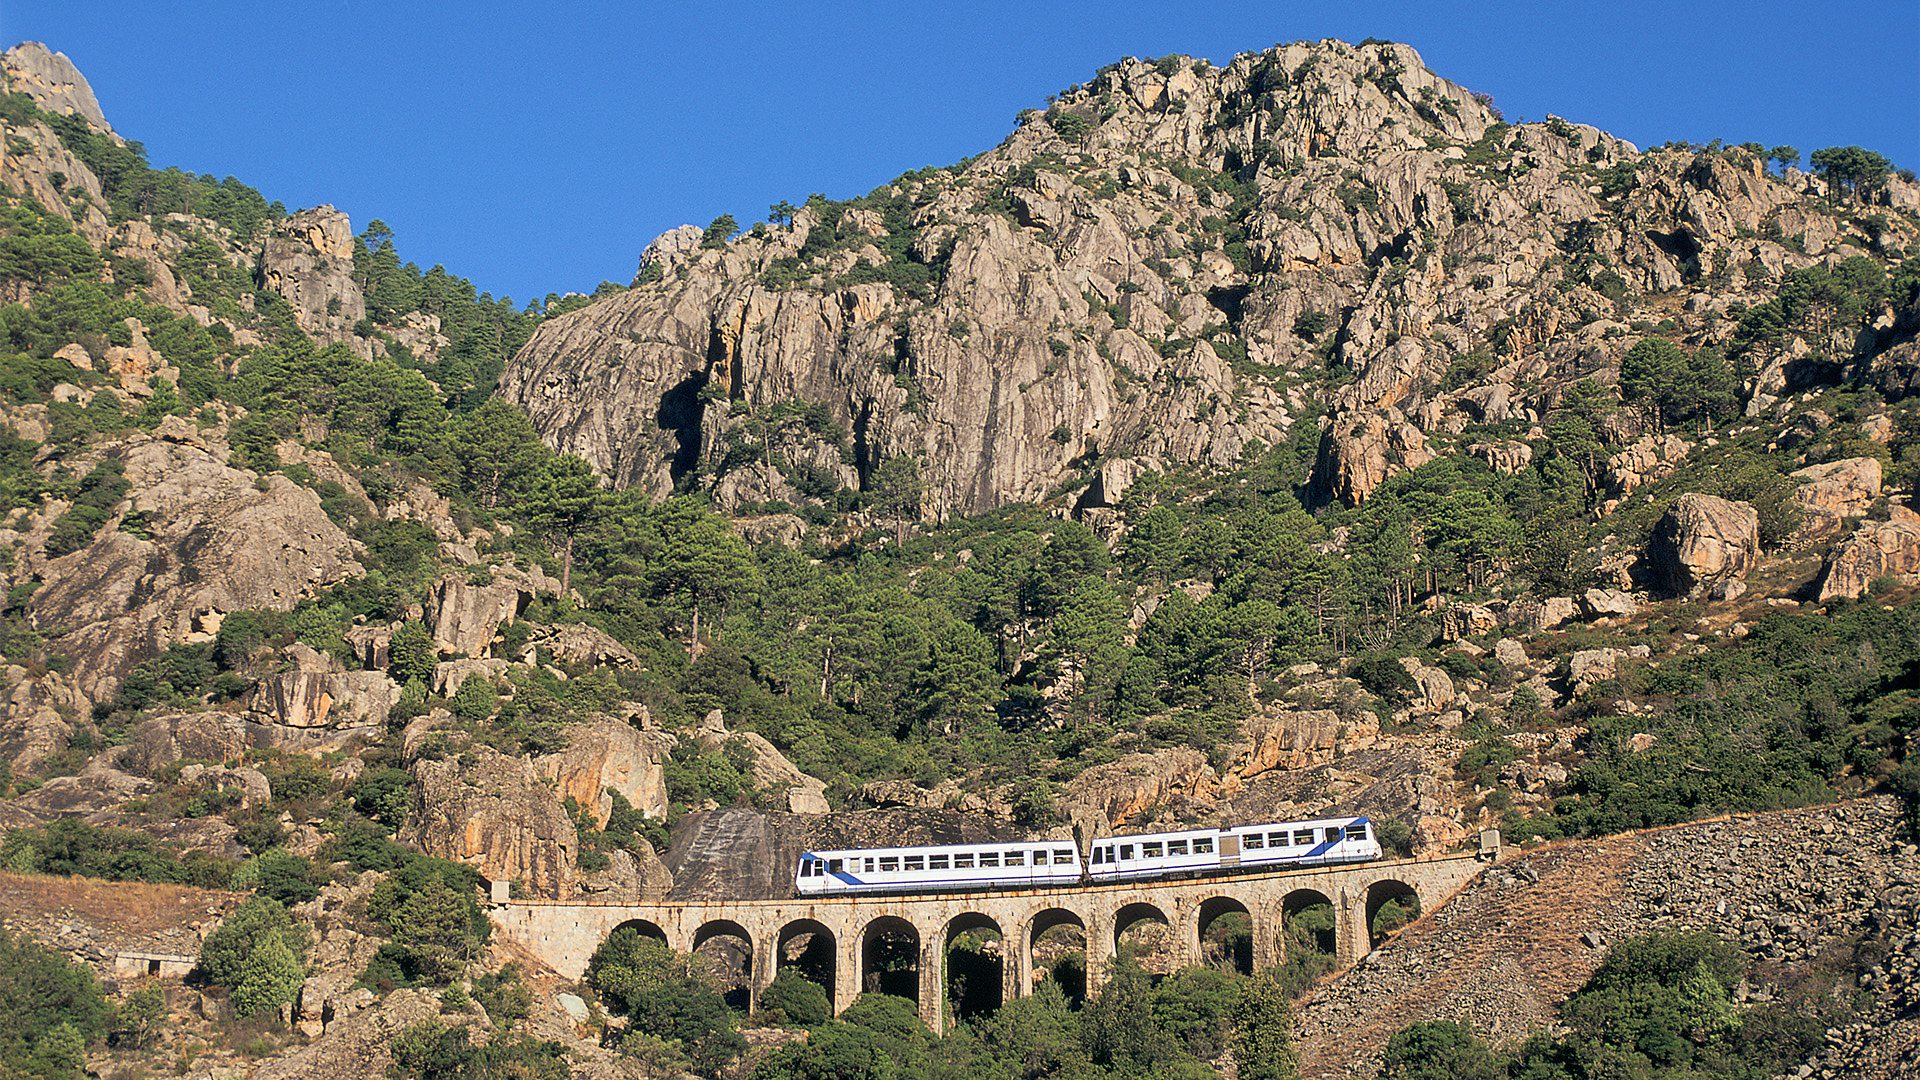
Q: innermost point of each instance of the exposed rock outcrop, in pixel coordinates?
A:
(309, 261)
(1703, 541)
(610, 755)
(51, 80)
(37, 716)
(494, 813)
(162, 740)
(1293, 739)
(1877, 549)
(1139, 787)
(1830, 494)
(1362, 450)
(321, 704)
(213, 540)
(466, 617)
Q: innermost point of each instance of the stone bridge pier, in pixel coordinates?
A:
(863, 943)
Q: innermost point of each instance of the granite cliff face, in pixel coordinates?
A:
(1174, 265)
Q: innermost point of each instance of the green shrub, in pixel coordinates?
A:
(71, 846)
(799, 999)
(504, 995)
(476, 700)
(53, 1009)
(259, 953)
(1439, 1050)
(412, 655)
(431, 909)
(383, 793)
(93, 502)
(640, 978)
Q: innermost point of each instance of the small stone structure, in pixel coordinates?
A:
(130, 964)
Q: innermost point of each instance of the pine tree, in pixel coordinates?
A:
(566, 500)
(271, 976)
(1263, 1032)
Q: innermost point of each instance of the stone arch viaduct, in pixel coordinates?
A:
(565, 933)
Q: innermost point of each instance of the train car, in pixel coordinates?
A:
(1146, 855)
(937, 869)
(1201, 851)
(1303, 843)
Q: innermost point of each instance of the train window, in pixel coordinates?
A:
(835, 866)
(889, 864)
(1150, 851)
(1016, 858)
(1096, 857)
(1126, 851)
(1062, 857)
(1176, 847)
(963, 862)
(1357, 832)
(989, 858)
(1203, 846)
(1253, 841)
(914, 862)
(936, 862)
(1333, 836)
(1303, 837)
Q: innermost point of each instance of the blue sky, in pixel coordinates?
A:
(537, 147)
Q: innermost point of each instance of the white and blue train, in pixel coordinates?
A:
(963, 867)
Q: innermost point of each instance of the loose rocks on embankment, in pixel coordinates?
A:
(1793, 887)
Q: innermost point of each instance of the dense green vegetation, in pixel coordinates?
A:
(259, 954)
(1662, 1007)
(1137, 1026)
(71, 846)
(54, 1008)
(1802, 709)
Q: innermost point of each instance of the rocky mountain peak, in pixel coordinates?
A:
(1291, 102)
(1174, 264)
(51, 80)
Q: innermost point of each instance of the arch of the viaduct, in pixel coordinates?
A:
(853, 944)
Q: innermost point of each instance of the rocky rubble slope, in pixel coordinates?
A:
(1798, 889)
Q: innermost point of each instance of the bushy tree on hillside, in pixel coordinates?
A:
(53, 1009)
(259, 953)
(1852, 170)
(1677, 386)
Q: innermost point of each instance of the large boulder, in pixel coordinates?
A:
(1360, 450)
(1830, 494)
(324, 709)
(494, 813)
(213, 539)
(1703, 541)
(1459, 621)
(1138, 788)
(608, 755)
(1889, 549)
(773, 772)
(1293, 739)
(1645, 460)
(309, 261)
(160, 741)
(1587, 667)
(1435, 687)
(466, 615)
(578, 643)
(1608, 603)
